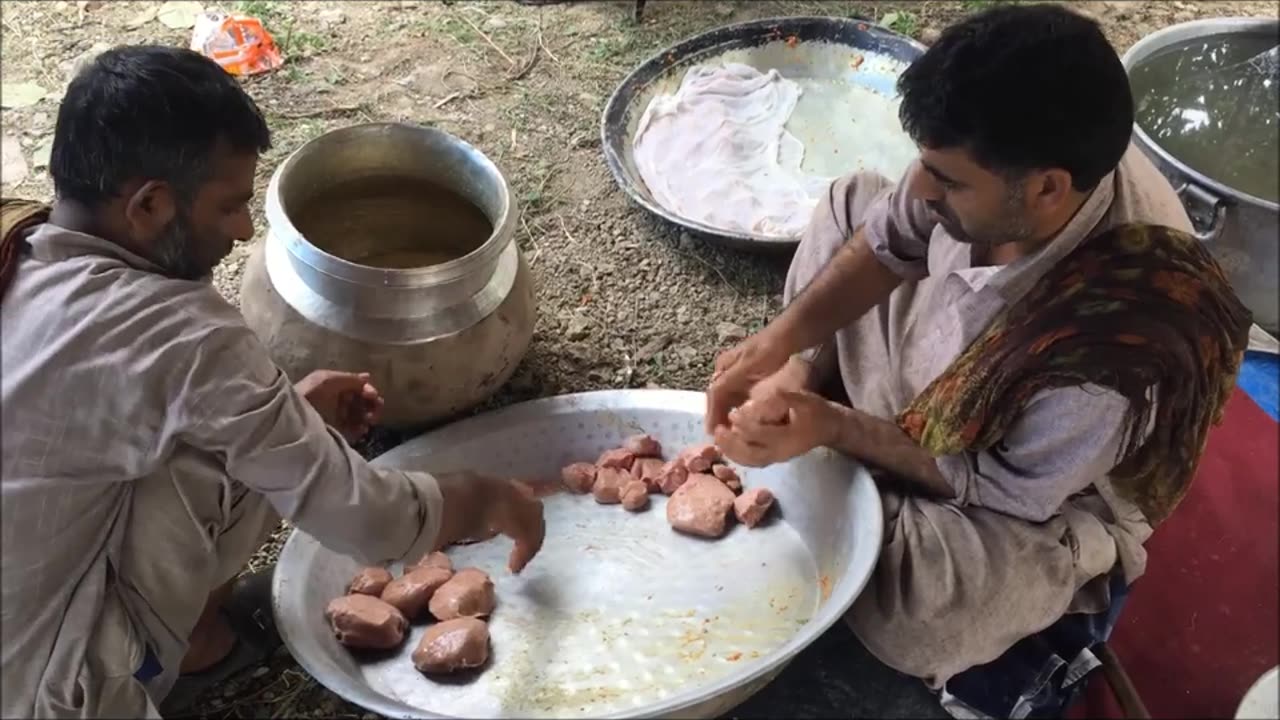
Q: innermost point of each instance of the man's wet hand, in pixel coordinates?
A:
(479, 506)
(737, 371)
(347, 402)
(778, 426)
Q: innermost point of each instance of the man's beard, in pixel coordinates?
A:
(176, 254)
(1012, 226)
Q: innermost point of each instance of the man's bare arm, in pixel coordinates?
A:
(846, 288)
(883, 444)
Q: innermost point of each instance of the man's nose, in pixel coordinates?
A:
(242, 226)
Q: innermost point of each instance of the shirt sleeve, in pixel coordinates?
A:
(897, 228)
(1066, 440)
(238, 404)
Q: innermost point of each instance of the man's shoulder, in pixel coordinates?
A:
(1144, 195)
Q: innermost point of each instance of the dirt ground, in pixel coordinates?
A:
(616, 288)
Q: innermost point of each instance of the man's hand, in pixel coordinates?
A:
(346, 401)
(737, 371)
(776, 427)
(479, 506)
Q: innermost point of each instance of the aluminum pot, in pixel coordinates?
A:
(437, 339)
(1239, 229)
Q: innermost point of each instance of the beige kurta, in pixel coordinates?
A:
(149, 446)
(1035, 521)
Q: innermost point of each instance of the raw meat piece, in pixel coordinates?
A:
(635, 495)
(579, 477)
(701, 507)
(728, 476)
(673, 475)
(752, 505)
(699, 458)
(453, 645)
(436, 559)
(369, 581)
(648, 470)
(469, 593)
(411, 592)
(643, 446)
(608, 487)
(618, 458)
(364, 621)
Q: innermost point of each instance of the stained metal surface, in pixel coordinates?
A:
(845, 50)
(618, 616)
(1240, 230)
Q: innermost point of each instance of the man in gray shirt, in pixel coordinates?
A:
(1023, 117)
(150, 445)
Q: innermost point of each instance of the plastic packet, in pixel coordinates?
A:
(239, 43)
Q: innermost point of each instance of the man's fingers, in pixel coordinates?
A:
(522, 520)
(738, 449)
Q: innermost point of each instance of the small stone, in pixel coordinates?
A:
(495, 23)
(686, 241)
(651, 348)
(13, 166)
(261, 671)
(579, 328)
(730, 332)
(930, 35)
(332, 16)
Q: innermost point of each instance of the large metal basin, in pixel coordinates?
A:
(437, 339)
(1241, 230)
(618, 616)
(827, 48)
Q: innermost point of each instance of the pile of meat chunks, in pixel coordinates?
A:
(375, 613)
(378, 607)
(705, 492)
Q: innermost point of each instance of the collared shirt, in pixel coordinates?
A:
(114, 373)
(1067, 438)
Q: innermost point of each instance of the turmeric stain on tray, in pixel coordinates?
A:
(825, 585)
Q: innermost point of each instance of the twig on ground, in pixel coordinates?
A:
(447, 99)
(335, 110)
(524, 69)
(488, 39)
(714, 269)
(542, 43)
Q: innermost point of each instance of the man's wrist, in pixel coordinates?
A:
(843, 429)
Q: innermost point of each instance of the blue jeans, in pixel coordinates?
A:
(1041, 675)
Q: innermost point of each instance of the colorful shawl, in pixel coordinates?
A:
(1136, 309)
(16, 218)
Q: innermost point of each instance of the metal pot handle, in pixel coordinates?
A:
(1193, 195)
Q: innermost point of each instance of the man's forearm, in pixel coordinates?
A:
(847, 287)
(883, 444)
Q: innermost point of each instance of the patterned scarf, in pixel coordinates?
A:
(16, 218)
(1137, 308)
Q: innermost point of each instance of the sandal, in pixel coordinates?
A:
(248, 611)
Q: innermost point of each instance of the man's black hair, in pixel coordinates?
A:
(1022, 88)
(148, 112)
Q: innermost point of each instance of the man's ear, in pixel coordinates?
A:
(149, 209)
(1051, 190)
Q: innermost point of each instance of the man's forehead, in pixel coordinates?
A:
(952, 164)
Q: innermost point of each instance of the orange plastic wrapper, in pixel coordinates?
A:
(239, 43)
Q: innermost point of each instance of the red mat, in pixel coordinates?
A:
(1201, 625)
